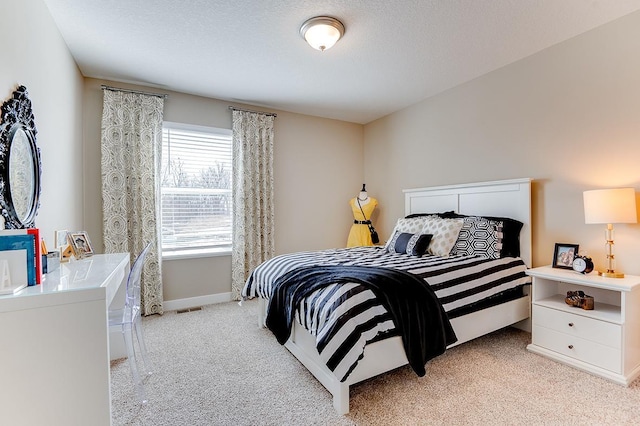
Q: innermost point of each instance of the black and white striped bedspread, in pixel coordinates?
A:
(343, 318)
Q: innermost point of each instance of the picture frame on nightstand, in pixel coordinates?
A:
(563, 255)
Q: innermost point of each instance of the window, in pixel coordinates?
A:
(195, 189)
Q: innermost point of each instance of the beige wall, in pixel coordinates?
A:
(568, 116)
(318, 168)
(35, 55)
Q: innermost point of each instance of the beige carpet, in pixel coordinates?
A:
(216, 367)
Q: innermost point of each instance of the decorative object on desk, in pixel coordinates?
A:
(5, 274)
(13, 265)
(7, 284)
(580, 300)
(66, 254)
(60, 239)
(610, 206)
(80, 244)
(563, 255)
(582, 264)
(43, 256)
(51, 263)
(19, 162)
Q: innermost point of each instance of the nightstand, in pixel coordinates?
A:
(604, 341)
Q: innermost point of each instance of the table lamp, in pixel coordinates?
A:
(610, 206)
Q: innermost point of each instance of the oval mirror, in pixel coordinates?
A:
(19, 163)
(22, 175)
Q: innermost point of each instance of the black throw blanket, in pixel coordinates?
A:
(417, 314)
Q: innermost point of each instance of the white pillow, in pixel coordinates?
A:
(445, 234)
(411, 226)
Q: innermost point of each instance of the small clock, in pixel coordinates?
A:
(582, 264)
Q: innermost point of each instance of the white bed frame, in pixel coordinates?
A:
(508, 198)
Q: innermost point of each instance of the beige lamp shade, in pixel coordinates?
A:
(610, 206)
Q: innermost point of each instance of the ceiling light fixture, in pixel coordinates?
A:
(322, 32)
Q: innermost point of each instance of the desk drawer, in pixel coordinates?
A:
(583, 350)
(602, 332)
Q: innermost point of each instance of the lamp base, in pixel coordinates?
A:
(611, 274)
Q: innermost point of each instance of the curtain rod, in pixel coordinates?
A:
(257, 112)
(117, 89)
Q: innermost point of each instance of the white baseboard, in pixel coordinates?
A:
(191, 302)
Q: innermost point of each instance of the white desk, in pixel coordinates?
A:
(54, 345)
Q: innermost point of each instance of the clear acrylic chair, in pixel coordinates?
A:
(129, 321)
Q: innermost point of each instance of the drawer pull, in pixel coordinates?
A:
(570, 346)
(570, 324)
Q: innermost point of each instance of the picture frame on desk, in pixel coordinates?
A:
(60, 239)
(80, 244)
(563, 255)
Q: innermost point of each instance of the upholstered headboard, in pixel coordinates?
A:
(505, 198)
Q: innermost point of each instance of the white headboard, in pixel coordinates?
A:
(506, 198)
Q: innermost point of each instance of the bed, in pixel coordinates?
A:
(379, 347)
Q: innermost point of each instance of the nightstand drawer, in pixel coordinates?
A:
(584, 350)
(601, 332)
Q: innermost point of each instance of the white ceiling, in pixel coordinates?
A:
(394, 52)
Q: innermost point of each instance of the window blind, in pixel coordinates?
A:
(196, 188)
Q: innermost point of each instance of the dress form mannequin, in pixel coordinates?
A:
(359, 235)
(363, 197)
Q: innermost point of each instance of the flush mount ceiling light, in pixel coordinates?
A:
(322, 32)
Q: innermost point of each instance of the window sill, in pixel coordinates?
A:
(193, 254)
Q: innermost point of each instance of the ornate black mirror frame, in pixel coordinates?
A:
(17, 122)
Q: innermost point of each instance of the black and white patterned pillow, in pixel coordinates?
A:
(445, 234)
(412, 244)
(479, 236)
(411, 225)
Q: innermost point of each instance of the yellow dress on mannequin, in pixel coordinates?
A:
(359, 235)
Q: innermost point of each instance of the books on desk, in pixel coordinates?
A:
(19, 259)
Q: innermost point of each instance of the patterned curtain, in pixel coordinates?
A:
(253, 222)
(131, 150)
